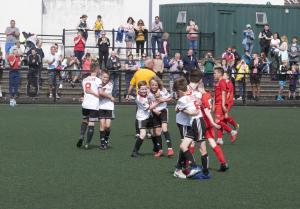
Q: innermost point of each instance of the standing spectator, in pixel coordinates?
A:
(275, 43)
(98, 27)
(265, 39)
(79, 47)
(284, 51)
(282, 76)
(255, 76)
(129, 35)
(130, 67)
(293, 77)
(53, 61)
(248, 39)
(192, 35)
(12, 36)
(294, 51)
(158, 67)
(39, 51)
(34, 63)
(242, 68)
(103, 47)
(264, 63)
(83, 27)
(119, 39)
(208, 64)
(114, 66)
(237, 56)
(176, 66)
(190, 63)
(275, 57)
(14, 62)
(86, 65)
(165, 45)
(2, 66)
(140, 37)
(157, 29)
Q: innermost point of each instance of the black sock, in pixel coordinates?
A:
(83, 129)
(168, 139)
(181, 160)
(137, 130)
(204, 160)
(90, 133)
(154, 141)
(138, 144)
(159, 142)
(102, 137)
(107, 133)
(190, 158)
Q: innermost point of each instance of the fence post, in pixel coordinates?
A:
(244, 89)
(214, 42)
(64, 40)
(120, 86)
(180, 42)
(113, 39)
(199, 45)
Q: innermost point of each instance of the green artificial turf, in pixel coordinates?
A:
(40, 167)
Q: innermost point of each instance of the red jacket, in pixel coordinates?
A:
(14, 62)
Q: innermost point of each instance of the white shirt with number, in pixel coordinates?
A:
(105, 103)
(90, 101)
(163, 94)
(196, 98)
(143, 105)
(185, 103)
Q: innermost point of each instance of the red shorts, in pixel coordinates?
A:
(210, 132)
(219, 114)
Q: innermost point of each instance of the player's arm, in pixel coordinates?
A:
(191, 113)
(210, 118)
(224, 97)
(105, 95)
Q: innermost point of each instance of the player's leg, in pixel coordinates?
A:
(93, 117)
(157, 132)
(164, 125)
(184, 147)
(217, 150)
(83, 127)
(139, 141)
(204, 157)
(229, 119)
(107, 130)
(102, 134)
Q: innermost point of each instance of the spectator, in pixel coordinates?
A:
(255, 76)
(130, 67)
(247, 58)
(119, 39)
(98, 27)
(228, 56)
(237, 56)
(264, 63)
(141, 62)
(158, 67)
(129, 35)
(34, 63)
(157, 29)
(103, 48)
(140, 37)
(265, 39)
(73, 69)
(86, 64)
(53, 60)
(40, 52)
(208, 64)
(282, 75)
(79, 47)
(294, 51)
(12, 36)
(283, 51)
(83, 27)
(17, 47)
(275, 57)
(192, 36)
(293, 78)
(248, 39)
(2, 66)
(242, 68)
(14, 62)
(114, 66)
(165, 45)
(176, 66)
(190, 63)
(275, 43)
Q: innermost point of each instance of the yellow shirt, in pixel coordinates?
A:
(239, 68)
(98, 25)
(143, 74)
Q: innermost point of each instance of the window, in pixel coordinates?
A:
(261, 18)
(181, 18)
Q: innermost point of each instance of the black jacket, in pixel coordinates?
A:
(34, 61)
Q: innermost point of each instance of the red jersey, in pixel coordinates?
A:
(219, 87)
(230, 93)
(80, 45)
(14, 62)
(206, 102)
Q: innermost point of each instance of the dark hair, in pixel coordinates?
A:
(94, 66)
(130, 18)
(180, 84)
(295, 37)
(99, 16)
(105, 71)
(157, 17)
(195, 76)
(142, 83)
(141, 21)
(219, 69)
(278, 36)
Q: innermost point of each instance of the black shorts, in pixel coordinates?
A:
(106, 114)
(195, 132)
(163, 117)
(90, 115)
(145, 124)
(292, 87)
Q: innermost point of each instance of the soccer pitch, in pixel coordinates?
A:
(41, 168)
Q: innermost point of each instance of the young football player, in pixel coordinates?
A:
(220, 106)
(160, 114)
(187, 119)
(106, 109)
(143, 115)
(90, 105)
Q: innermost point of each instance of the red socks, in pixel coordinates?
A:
(225, 126)
(231, 121)
(219, 153)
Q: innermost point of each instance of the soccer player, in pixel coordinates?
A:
(220, 106)
(106, 109)
(160, 114)
(143, 115)
(90, 105)
(188, 123)
(206, 106)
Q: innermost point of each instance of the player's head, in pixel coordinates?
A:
(155, 83)
(218, 73)
(226, 76)
(180, 86)
(195, 76)
(143, 89)
(104, 76)
(94, 68)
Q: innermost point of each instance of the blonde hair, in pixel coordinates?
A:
(158, 81)
(165, 36)
(284, 38)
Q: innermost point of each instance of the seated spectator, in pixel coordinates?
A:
(141, 62)
(14, 62)
(130, 68)
(190, 62)
(255, 76)
(228, 56)
(293, 78)
(158, 67)
(2, 66)
(73, 69)
(242, 70)
(114, 66)
(294, 51)
(86, 64)
(34, 63)
(264, 63)
(208, 64)
(237, 56)
(176, 66)
(247, 58)
(140, 37)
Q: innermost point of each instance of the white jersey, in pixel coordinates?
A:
(105, 103)
(196, 98)
(90, 101)
(164, 94)
(143, 105)
(185, 103)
